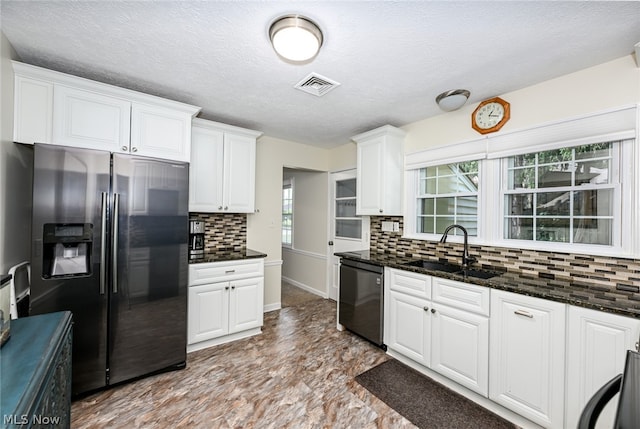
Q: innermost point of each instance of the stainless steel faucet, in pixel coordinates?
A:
(466, 259)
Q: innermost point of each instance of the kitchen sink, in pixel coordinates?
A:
(435, 266)
(453, 269)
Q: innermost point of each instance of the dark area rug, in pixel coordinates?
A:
(424, 402)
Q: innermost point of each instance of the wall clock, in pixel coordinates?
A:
(490, 115)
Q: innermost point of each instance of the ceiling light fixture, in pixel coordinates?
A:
(295, 38)
(452, 100)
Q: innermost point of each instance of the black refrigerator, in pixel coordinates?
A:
(109, 243)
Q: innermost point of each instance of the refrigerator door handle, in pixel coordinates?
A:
(114, 243)
(103, 245)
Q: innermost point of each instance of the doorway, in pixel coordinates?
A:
(304, 231)
(347, 231)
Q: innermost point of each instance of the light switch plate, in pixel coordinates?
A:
(387, 226)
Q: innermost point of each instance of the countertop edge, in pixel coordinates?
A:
(498, 283)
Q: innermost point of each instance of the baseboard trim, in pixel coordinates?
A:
(305, 287)
(222, 340)
(272, 307)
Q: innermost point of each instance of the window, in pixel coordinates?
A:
(448, 194)
(565, 195)
(565, 186)
(348, 225)
(287, 213)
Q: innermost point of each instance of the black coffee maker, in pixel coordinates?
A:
(196, 239)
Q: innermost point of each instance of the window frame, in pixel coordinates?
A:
(493, 177)
(287, 184)
(435, 196)
(617, 179)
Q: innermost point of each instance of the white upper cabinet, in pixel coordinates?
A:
(90, 120)
(222, 172)
(160, 132)
(379, 177)
(52, 107)
(33, 110)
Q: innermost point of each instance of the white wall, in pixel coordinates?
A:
(606, 86)
(16, 163)
(305, 263)
(263, 227)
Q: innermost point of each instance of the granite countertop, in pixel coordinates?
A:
(583, 294)
(228, 254)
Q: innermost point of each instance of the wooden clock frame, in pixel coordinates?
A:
(496, 127)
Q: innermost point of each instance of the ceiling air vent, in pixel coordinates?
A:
(316, 84)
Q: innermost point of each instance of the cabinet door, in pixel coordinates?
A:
(206, 174)
(33, 110)
(208, 312)
(527, 356)
(160, 132)
(239, 173)
(597, 345)
(89, 120)
(369, 180)
(246, 304)
(409, 327)
(460, 347)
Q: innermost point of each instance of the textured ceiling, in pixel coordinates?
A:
(391, 57)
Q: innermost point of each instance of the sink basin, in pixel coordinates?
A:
(435, 266)
(453, 269)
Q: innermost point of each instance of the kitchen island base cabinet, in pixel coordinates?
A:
(597, 345)
(225, 302)
(527, 356)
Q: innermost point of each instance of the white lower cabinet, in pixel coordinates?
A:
(225, 302)
(460, 347)
(541, 359)
(449, 340)
(409, 324)
(527, 356)
(597, 345)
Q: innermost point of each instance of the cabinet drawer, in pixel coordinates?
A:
(461, 295)
(223, 271)
(410, 283)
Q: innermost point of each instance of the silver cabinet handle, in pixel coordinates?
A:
(233, 287)
(425, 308)
(230, 271)
(433, 310)
(219, 207)
(226, 207)
(114, 242)
(103, 245)
(226, 288)
(380, 210)
(134, 149)
(124, 148)
(523, 313)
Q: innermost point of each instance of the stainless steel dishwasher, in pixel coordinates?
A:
(361, 299)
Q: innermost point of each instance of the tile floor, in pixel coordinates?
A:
(299, 373)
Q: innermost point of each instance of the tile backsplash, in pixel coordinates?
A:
(223, 231)
(607, 271)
